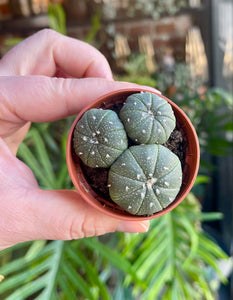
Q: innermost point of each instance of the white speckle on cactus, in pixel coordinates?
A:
(109, 185)
(171, 199)
(150, 182)
(159, 113)
(84, 138)
(126, 188)
(150, 113)
(93, 134)
(142, 195)
(97, 166)
(143, 131)
(157, 191)
(129, 207)
(107, 155)
(138, 176)
(148, 158)
(94, 117)
(150, 174)
(151, 204)
(92, 152)
(165, 168)
(94, 141)
(80, 153)
(97, 132)
(106, 140)
(123, 164)
(166, 184)
(135, 103)
(110, 122)
(136, 140)
(128, 120)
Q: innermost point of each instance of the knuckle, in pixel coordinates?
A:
(47, 32)
(78, 229)
(70, 229)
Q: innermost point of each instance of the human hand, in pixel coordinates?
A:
(30, 91)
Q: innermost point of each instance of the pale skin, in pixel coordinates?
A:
(31, 91)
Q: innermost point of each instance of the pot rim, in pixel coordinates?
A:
(192, 159)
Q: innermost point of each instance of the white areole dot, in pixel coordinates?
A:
(150, 182)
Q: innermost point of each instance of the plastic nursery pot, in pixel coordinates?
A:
(189, 169)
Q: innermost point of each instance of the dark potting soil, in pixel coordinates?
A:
(98, 177)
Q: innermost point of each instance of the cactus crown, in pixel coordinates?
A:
(143, 179)
(148, 118)
(99, 138)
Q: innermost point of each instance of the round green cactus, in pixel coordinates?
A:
(145, 179)
(148, 118)
(99, 138)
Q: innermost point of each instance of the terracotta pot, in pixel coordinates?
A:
(190, 168)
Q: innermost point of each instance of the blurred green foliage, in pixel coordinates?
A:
(57, 18)
(169, 261)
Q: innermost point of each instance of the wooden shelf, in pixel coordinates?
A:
(24, 24)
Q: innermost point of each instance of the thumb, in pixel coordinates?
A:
(63, 214)
(58, 215)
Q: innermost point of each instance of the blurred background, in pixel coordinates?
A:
(183, 48)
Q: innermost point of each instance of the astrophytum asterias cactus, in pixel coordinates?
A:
(145, 179)
(148, 118)
(99, 138)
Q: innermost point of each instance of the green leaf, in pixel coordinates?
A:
(76, 280)
(207, 243)
(78, 257)
(113, 257)
(57, 18)
(43, 156)
(156, 285)
(67, 291)
(27, 290)
(28, 157)
(200, 179)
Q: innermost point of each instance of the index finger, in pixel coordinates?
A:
(46, 51)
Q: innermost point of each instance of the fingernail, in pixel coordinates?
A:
(129, 226)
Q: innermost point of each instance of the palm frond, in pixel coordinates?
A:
(174, 256)
(169, 262)
(50, 271)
